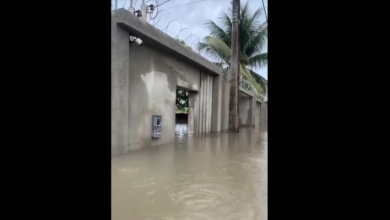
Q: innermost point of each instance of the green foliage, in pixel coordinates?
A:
(181, 95)
(181, 101)
(183, 110)
(252, 41)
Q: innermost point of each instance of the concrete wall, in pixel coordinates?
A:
(205, 106)
(264, 114)
(193, 112)
(144, 82)
(154, 77)
(257, 114)
(225, 106)
(245, 114)
(216, 114)
(249, 108)
(119, 89)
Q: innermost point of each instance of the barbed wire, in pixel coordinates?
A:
(159, 15)
(195, 41)
(157, 7)
(155, 17)
(166, 27)
(177, 36)
(155, 23)
(189, 36)
(157, 12)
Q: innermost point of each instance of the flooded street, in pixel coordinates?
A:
(217, 177)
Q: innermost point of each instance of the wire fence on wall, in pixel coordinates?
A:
(161, 19)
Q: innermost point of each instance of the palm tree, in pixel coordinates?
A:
(252, 41)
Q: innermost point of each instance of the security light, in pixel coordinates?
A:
(136, 40)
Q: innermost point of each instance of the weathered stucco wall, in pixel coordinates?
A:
(249, 107)
(245, 112)
(153, 77)
(144, 82)
(264, 113)
(119, 89)
(225, 106)
(257, 114)
(205, 103)
(216, 112)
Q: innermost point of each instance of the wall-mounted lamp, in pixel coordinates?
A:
(136, 40)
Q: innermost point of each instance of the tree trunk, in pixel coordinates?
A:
(234, 71)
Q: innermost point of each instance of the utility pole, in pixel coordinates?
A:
(116, 4)
(144, 11)
(234, 70)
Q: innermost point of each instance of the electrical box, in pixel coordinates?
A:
(156, 126)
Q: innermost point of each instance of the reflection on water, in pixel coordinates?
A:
(216, 177)
(181, 131)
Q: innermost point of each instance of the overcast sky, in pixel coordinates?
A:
(193, 16)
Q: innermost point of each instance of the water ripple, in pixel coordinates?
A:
(197, 197)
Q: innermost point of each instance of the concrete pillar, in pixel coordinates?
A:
(119, 89)
(201, 104)
(208, 103)
(193, 102)
(217, 104)
(253, 111)
(201, 116)
(210, 111)
(144, 12)
(246, 114)
(264, 114)
(257, 114)
(225, 105)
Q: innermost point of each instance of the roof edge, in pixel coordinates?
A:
(154, 36)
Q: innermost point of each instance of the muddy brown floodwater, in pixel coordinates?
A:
(215, 177)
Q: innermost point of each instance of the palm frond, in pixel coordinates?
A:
(226, 22)
(247, 76)
(252, 37)
(244, 11)
(255, 43)
(216, 48)
(226, 73)
(215, 30)
(258, 60)
(207, 49)
(260, 80)
(255, 17)
(250, 84)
